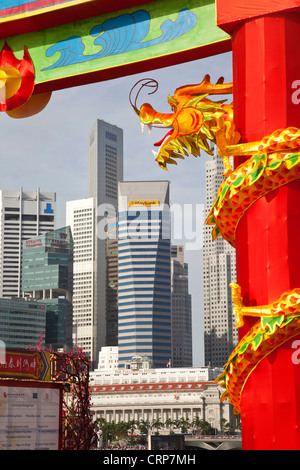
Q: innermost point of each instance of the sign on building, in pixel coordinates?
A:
(30, 415)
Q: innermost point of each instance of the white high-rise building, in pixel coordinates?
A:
(80, 216)
(219, 270)
(182, 350)
(23, 215)
(87, 219)
(105, 170)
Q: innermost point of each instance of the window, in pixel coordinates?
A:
(111, 136)
(30, 217)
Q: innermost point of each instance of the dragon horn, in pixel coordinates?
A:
(205, 87)
(144, 82)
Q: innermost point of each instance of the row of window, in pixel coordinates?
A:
(135, 279)
(142, 256)
(149, 269)
(161, 243)
(153, 290)
(29, 217)
(142, 296)
(157, 251)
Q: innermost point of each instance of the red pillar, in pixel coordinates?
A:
(266, 62)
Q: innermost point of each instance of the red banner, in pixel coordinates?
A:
(23, 364)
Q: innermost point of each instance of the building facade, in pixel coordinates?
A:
(182, 347)
(219, 270)
(47, 277)
(105, 170)
(108, 359)
(80, 216)
(111, 337)
(164, 395)
(22, 323)
(144, 266)
(23, 215)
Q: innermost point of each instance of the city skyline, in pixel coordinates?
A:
(50, 150)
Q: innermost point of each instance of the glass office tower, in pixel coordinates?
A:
(47, 277)
(22, 323)
(144, 265)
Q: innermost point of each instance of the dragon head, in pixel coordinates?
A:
(192, 121)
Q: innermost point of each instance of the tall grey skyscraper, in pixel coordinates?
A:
(105, 170)
(144, 290)
(23, 215)
(182, 351)
(219, 269)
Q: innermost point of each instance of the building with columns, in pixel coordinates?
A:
(159, 394)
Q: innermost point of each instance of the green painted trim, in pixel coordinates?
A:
(147, 40)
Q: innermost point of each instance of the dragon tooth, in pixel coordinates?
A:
(154, 153)
(149, 128)
(142, 127)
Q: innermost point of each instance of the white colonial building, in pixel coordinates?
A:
(159, 394)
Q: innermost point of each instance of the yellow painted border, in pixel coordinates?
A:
(39, 11)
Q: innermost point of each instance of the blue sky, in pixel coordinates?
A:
(50, 150)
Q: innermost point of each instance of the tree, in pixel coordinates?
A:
(78, 427)
(72, 368)
(169, 425)
(131, 428)
(196, 423)
(157, 424)
(183, 424)
(204, 427)
(144, 426)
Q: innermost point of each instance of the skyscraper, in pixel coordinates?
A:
(182, 351)
(111, 338)
(219, 270)
(105, 163)
(80, 216)
(23, 215)
(144, 291)
(47, 263)
(105, 170)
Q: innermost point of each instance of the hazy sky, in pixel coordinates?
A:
(50, 150)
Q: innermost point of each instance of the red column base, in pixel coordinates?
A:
(270, 406)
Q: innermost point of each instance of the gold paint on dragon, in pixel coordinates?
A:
(193, 120)
(277, 323)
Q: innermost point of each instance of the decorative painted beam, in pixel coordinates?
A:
(117, 43)
(24, 16)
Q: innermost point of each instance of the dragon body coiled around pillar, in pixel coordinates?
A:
(194, 122)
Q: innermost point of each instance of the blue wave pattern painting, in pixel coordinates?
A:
(124, 33)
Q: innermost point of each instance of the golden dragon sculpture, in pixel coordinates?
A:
(270, 163)
(194, 120)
